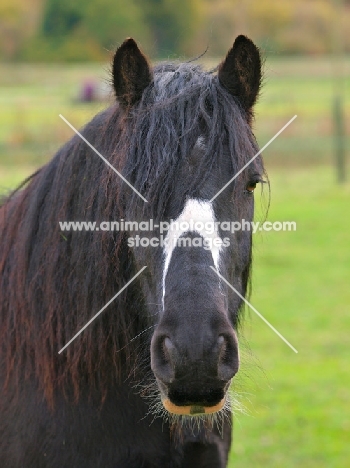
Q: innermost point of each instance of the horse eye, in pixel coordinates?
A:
(250, 187)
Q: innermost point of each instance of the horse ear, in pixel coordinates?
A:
(131, 73)
(240, 72)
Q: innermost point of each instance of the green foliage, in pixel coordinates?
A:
(87, 29)
(172, 23)
(19, 21)
(286, 26)
(159, 25)
(61, 17)
(109, 22)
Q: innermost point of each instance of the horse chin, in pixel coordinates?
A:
(192, 410)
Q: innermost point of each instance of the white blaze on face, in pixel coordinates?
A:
(197, 217)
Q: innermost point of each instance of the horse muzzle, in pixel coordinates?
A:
(193, 374)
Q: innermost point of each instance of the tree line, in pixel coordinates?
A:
(73, 30)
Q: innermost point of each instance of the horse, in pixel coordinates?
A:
(146, 384)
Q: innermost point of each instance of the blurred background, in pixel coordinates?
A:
(55, 58)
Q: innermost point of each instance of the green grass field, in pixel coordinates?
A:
(296, 405)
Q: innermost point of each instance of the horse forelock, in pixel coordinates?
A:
(182, 104)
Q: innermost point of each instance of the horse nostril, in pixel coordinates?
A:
(222, 345)
(228, 362)
(168, 347)
(221, 340)
(168, 350)
(162, 357)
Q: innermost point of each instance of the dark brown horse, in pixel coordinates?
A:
(146, 383)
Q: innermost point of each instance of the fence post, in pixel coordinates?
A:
(338, 105)
(339, 138)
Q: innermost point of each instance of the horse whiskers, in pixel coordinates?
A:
(236, 406)
(136, 370)
(194, 424)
